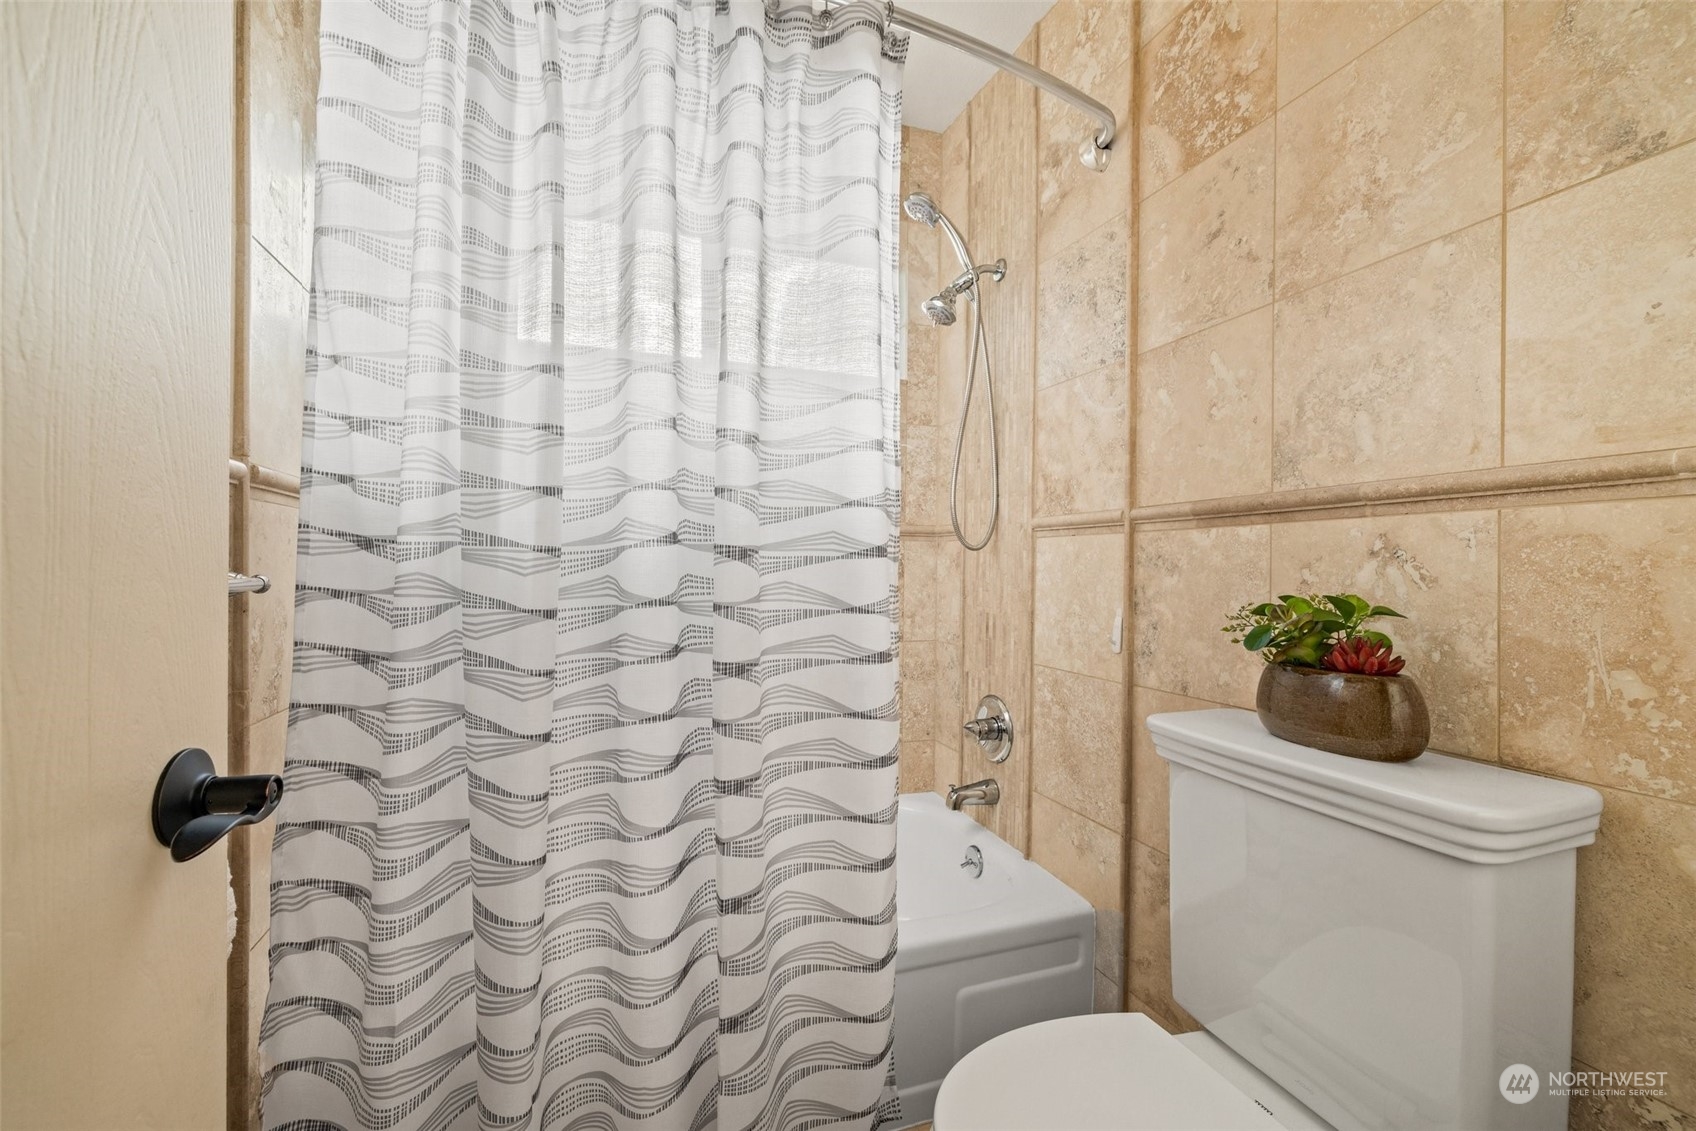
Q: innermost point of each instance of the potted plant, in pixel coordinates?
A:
(1330, 682)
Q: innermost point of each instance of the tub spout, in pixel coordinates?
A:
(985, 792)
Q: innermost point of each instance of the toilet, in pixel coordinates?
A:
(1369, 946)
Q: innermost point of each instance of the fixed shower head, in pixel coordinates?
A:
(923, 209)
(939, 308)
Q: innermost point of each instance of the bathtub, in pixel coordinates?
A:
(976, 956)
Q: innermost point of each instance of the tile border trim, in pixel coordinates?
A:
(1672, 470)
(1095, 520)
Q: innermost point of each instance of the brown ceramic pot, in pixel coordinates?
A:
(1378, 717)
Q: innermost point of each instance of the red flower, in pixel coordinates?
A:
(1363, 657)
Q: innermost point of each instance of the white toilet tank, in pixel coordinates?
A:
(1383, 940)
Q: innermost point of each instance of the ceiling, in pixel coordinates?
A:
(941, 80)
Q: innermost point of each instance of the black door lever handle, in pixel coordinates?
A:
(194, 808)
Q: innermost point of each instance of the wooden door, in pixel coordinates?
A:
(117, 171)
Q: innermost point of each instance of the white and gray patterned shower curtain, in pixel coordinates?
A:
(589, 819)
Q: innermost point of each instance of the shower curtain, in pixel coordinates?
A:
(589, 809)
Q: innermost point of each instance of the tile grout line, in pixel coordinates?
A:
(1501, 385)
(1595, 178)
(1132, 432)
(1109, 830)
(1358, 55)
(1502, 267)
(1272, 345)
(1323, 283)
(1278, 106)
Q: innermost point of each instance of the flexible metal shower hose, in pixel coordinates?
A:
(980, 344)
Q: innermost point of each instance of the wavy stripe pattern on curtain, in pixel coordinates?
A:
(589, 819)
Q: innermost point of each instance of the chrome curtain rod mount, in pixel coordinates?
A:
(1094, 151)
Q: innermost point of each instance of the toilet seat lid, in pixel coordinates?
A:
(1101, 1072)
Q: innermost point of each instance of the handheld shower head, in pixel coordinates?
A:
(922, 209)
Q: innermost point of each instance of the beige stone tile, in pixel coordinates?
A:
(1439, 571)
(1150, 800)
(1080, 585)
(1205, 252)
(955, 172)
(1635, 968)
(1150, 963)
(1076, 745)
(1109, 998)
(919, 596)
(1110, 941)
(1595, 87)
(925, 452)
(921, 265)
(951, 705)
(1079, 853)
(951, 358)
(1624, 1113)
(1394, 370)
(1137, 1005)
(1205, 80)
(920, 388)
(1397, 148)
(997, 646)
(950, 696)
(276, 363)
(1204, 412)
(921, 160)
(1598, 665)
(270, 616)
(918, 691)
(1087, 40)
(1081, 312)
(1090, 44)
(281, 67)
(1185, 583)
(266, 742)
(255, 984)
(1601, 316)
(1157, 15)
(1319, 37)
(1072, 199)
(918, 767)
(945, 769)
(1082, 444)
(267, 745)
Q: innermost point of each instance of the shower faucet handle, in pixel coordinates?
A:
(992, 728)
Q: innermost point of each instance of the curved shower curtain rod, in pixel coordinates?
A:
(1094, 152)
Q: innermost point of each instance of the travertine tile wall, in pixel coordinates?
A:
(277, 88)
(1411, 310)
(1029, 618)
(1416, 300)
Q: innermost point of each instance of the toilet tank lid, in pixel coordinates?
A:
(1471, 810)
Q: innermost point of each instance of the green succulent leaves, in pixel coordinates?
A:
(1302, 630)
